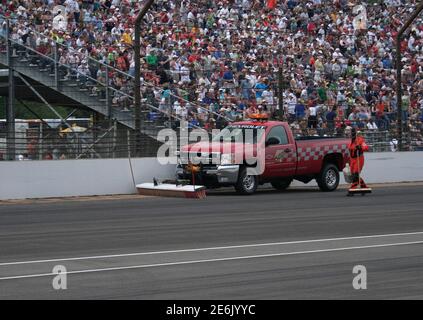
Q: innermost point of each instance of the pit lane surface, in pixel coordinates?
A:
(295, 244)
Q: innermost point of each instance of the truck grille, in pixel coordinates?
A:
(206, 159)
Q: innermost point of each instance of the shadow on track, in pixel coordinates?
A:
(267, 191)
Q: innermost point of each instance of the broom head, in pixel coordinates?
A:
(171, 190)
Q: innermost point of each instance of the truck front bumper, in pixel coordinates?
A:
(225, 175)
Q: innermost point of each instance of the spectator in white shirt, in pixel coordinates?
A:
(371, 125)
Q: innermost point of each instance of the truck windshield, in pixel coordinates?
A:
(240, 133)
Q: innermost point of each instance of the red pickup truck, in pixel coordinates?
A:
(285, 158)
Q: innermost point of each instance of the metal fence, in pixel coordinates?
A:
(36, 140)
(51, 140)
(415, 135)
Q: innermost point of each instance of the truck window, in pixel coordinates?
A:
(238, 133)
(279, 133)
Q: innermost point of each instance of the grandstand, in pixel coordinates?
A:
(214, 62)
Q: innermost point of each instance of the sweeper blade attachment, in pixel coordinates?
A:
(172, 190)
(362, 191)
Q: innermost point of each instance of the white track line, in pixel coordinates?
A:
(211, 260)
(208, 249)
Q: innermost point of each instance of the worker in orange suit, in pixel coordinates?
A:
(357, 148)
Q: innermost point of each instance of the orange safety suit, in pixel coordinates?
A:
(357, 148)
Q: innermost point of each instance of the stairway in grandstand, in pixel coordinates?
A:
(67, 92)
(58, 89)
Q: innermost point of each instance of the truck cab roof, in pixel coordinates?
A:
(266, 124)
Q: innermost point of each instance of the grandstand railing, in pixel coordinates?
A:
(51, 140)
(116, 100)
(36, 140)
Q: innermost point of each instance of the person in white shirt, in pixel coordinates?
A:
(252, 78)
(371, 125)
(312, 117)
(185, 73)
(291, 101)
(394, 145)
(183, 112)
(83, 72)
(72, 8)
(267, 95)
(191, 17)
(223, 13)
(60, 21)
(337, 54)
(177, 108)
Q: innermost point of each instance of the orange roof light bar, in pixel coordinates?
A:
(259, 117)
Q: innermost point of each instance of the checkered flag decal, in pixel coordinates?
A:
(318, 152)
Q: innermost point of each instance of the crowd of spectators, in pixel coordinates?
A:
(211, 62)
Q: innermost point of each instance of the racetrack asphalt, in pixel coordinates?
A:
(296, 244)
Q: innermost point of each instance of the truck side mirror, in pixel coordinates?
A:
(272, 141)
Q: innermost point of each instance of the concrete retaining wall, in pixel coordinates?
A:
(41, 179)
(393, 167)
(387, 167)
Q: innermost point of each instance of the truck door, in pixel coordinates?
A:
(281, 155)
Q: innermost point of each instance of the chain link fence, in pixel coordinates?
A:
(84, 139)
(52, 140)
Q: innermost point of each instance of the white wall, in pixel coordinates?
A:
(41, 179)
(388, 167)
(393, 167)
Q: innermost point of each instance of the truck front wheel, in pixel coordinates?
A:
(328, 179)
(247, 184)
(282, 184)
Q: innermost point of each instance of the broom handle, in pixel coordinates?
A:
(193, 177)
(359, 177)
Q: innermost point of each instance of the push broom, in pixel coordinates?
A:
(359, 189)
(175, 190)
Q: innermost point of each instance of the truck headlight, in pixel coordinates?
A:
(227, 159)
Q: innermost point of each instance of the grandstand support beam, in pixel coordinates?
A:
(71, 114)
(33, 112)
(280, 92)
(45, 101)
(108, 104)
(137, 80)
(56, 66)
(91, 146)
(10, 101)
(404, 28)
(10, 124)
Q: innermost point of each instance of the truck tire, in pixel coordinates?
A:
(281, 184)
(246, 184)
(328, 178)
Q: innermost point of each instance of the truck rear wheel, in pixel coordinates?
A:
(281, 184)
(328, 179)
(247, 184)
